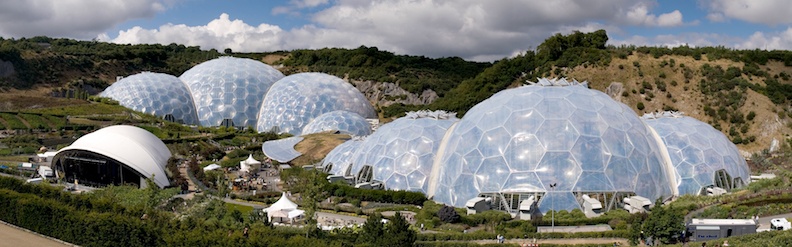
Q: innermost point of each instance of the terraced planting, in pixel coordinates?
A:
(35, 121)
(13, 121)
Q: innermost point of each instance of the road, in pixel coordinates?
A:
(12, 236)
(764, 222)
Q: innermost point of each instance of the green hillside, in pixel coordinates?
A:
(744, 93)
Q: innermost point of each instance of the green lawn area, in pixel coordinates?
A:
(245, 210)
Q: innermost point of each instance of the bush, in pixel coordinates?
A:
(448, 214)
(640, 106)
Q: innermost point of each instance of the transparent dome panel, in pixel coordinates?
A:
(697, 151)
(154, 93)
(229, 88)
(295, 100)
(577, 138)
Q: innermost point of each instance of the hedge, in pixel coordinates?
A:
(487, 235)
(386, 196)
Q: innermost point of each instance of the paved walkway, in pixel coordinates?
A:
(764, 222)
(621, 241)
(13, 236)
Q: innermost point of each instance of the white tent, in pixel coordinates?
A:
(283, 209)
(211, 167)
(250, 164)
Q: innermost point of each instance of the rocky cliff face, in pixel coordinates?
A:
(387, 93)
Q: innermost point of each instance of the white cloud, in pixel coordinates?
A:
(471, 29)
(716, 17)
(770, 12)
(219, 34)
(773, 41)
(74, 19)
(675, 40)
(639, 15)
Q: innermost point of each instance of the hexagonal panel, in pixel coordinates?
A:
(559, 168)
(524, 152)
(492, 173)
(590, 153)
(552, 108)
(557, 135)
(621, 174)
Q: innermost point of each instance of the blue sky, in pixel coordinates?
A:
(471, 29)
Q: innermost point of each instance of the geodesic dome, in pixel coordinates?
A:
(343, 121)
(297, 99)
(701, 155)
(338, 160)
(520, 141)
(400, 154)
(229, 88)
(154, 93)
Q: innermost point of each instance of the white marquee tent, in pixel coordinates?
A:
(283, 209)
(250, 164)
(211, 167)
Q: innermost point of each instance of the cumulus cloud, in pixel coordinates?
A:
(675, 40)
(770, 12)
(219, 34)
(82, 19)
(470, 29)
(639, 15)
(773, 41)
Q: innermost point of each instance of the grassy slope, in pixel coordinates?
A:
(766, 126)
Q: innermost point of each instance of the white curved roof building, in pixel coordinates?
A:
(119, 154)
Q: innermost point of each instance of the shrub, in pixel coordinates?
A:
(448, 214)
(640, 106)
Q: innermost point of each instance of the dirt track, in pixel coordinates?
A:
(12, 236)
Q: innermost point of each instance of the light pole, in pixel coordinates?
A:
(552, 208)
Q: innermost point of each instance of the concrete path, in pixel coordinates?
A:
(14, 236)
(764, 222)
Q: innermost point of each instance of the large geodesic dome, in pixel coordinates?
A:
(295, 100)
(229, 88)
(400, 154)
(343, 121)
(338, 160)
(154, 93)
(520, 141)
(701, 155)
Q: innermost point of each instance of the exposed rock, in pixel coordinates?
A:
(6, 68)
(387, 93)
(614, 90)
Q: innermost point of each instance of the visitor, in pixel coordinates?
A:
(725, 243)
(245, 232)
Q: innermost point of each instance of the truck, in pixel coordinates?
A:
(780, 224)
(45, 172)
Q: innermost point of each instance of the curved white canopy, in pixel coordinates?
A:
(283, 204)
(133, 146)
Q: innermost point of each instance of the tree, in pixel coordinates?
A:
(372, 232)
(228, 51)
(664, 224)
(448, 214)
(398, 233)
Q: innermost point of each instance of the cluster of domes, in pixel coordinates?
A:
(246, 92)
(555, 140)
